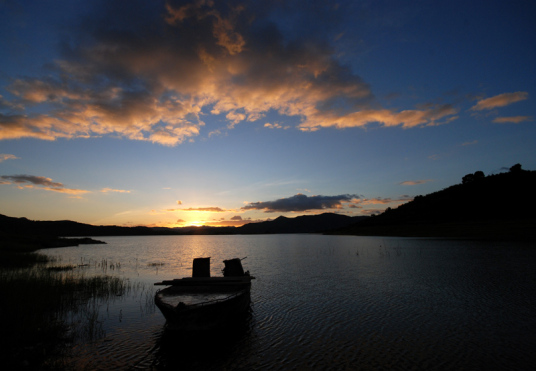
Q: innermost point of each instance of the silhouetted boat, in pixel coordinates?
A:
(202, 302)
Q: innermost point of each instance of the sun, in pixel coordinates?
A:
(195, 223)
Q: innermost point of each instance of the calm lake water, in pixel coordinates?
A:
(323, 302)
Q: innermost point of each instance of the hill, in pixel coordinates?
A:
(495, 206)
(300, 224)
(23, 226)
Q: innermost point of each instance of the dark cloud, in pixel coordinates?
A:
(37, 180)
(301, 202)
(237, 217)
(31, 181)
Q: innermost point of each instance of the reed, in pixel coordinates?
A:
(15, 259)
(45, 308)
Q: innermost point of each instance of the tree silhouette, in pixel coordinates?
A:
(516, 168)
(472, 177)
(468, 178)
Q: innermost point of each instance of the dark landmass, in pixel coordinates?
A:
(23, 226)
(497, 206)
(28, 243)
(50, 229)
(302, 224)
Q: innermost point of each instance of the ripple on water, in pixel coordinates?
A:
(331, 302)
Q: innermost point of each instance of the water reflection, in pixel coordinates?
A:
(202, 351)
(331, 302)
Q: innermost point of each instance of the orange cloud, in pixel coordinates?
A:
(415, 182)
(512, 119)
(207, 209)
(5, 156)
(384, 201)
(469, 143)
(500, 100)
(65, 190)
(276, 126)
(406, 119)
(157, 88)
(108, 190)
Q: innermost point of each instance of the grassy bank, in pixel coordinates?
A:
(45, 309)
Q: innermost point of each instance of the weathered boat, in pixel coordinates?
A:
(202, 302)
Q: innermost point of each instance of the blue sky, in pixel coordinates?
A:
(176, 113)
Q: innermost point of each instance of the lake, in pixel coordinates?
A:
(323, 302)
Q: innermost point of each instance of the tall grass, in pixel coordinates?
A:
(45, 309)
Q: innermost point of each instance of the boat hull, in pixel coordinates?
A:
(203, 316)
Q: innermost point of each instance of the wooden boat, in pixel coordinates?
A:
(202, 302)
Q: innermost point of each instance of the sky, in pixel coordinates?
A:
(179, 113)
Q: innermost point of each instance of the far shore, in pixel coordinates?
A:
(499, 230)
(17, 243)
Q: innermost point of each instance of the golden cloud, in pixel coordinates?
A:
(6, 156)
(406, 119)
(109, 190)
(512, 119)
(415, 182)
(207, 209)
(384, 201)
(500, 100)
(156, 87)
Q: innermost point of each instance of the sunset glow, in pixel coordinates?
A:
(112, 111)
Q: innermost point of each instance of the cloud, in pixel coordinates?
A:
(415, 182)
(300, 202)
(5, 156)
(235, 221)
(276, 126)
(512, 119)
(31, 181)
(500, 100)
(371, 212)
(208, 209)
(384, 201)
(469, 143)
(179, 202)
(385, 117)
(7, 105)
(153, 72)
(37, 180)
(108, 190)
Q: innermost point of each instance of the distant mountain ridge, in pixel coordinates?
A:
(301, 224)
(24, 226)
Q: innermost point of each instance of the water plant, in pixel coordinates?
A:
(46, 308)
